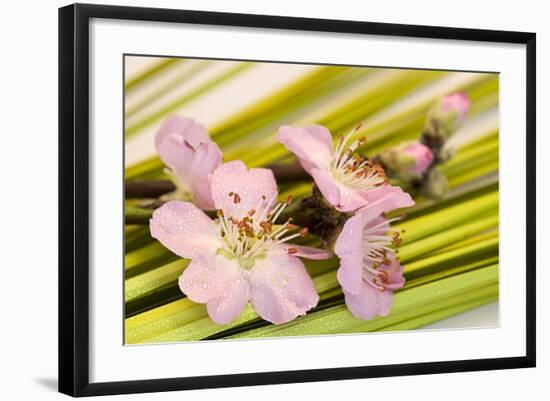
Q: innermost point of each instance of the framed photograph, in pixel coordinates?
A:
(251, 199)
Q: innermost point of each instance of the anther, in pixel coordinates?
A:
(187, 144)
(266, 226)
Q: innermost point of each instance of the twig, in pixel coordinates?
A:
(156, 188)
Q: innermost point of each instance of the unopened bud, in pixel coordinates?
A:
(422, 156)
(407, 161)
(447, 114)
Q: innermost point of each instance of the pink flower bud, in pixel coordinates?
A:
(456, 103)
(422, 155)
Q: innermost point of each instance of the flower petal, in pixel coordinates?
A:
(173, 125)
(456, 102)
(177, 155)
(249, 188)
(230, 304)
(381, 224)
(349, 247)
(206, 277)
(422, 156)
(312, 145)
(350, 199)
(395, 274)
(369, 302)
(218, 282)
(184, 229)
(383, 199)
(187, 128)
(327, 185)
(207, 158)
(281, 288)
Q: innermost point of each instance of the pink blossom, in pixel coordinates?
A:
(242, 255)
(186, 149)
(455, 103)
(421, 156)
(346, 180)
(369, 272)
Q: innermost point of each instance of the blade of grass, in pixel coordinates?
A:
(166, 87)
(429, 244)
(150, 72)
(433, 317)
(406, 303)
(449, 217)
(170, 107)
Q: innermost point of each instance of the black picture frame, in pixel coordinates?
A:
(74, 198)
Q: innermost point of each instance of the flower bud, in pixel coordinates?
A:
(421, 155)
(457, 103)
(447, 114)
(407, 161)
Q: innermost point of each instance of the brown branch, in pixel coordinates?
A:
(147, 188)
(289, 172)
(156, 188)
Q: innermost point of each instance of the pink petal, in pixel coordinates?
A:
(341, 197)
(176, 142)
(196, 135)
(177, 155)
(350, 199)
(312, 145)
(207, 158)
(381, 223)
(422, 155)
(456, 102)
(230, 304)
(207, 276)
(369, 302)
(349, 247)
(281, 288)
(254, 187)
(173, 125)
(383, 199)
(187, 128)
(220, 283)
(306, 251)
(327, 185)
(395, 274)
(184, 229)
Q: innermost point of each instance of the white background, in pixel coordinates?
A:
(29, 163)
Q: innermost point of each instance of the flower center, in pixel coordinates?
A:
(376, 248)
(253, 235)
(353, 170)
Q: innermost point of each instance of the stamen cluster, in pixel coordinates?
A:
(377, 247)
(257, 232)
(353, 170)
